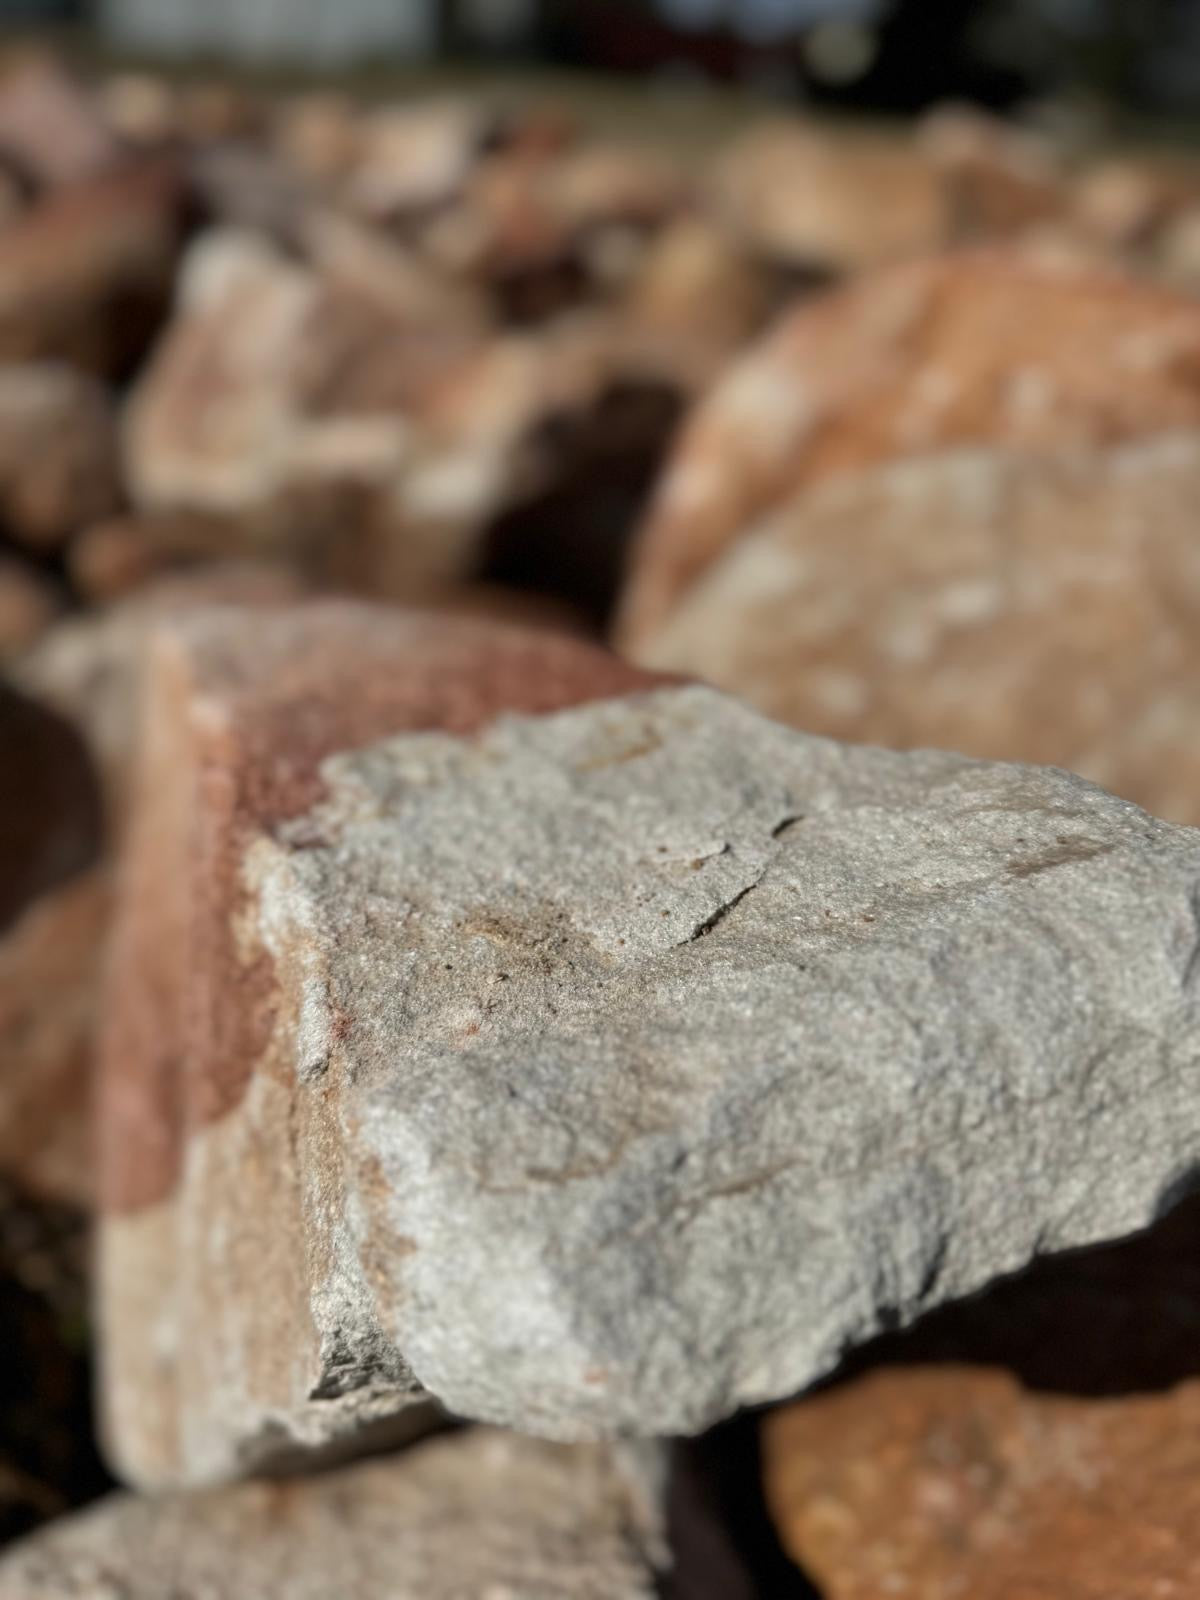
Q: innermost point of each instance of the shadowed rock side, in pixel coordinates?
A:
(985, 347)
(621, 1066)
(478, 1513)
(986, 601)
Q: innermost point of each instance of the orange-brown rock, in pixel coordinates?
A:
(58, 453)
(28, 605)
(50, 963)
(86, 275)
(999, 604)
(943, 1483)
(830, 203)
(981, 348)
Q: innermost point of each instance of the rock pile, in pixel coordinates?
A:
(484, 1058)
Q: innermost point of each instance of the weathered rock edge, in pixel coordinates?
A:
(645, 1055)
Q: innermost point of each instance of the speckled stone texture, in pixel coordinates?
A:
(1001, 604)
(983, 347)
(204, 1147)
(475, 1516)
(949, 1482)
(617, 1067)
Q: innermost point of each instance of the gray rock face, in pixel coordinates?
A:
(645, 1055)
(477, 1516)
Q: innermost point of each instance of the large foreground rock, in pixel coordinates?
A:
(945, 1482)
(598, 1070)
(479, 1514)
(1005, 605)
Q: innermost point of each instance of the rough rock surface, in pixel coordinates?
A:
(238, 724)
(477, 1514)
(612, 1068)
(941, 1483)
(1008, 606)
(988, 347)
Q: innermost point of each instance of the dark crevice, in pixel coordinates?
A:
(51, 814)
(1113, 1319)
(570, 538)
(719, 915)
(723, 1540)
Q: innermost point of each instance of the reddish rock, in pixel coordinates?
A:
(58, 453)
(981, 348)
(51, 127)
(942, 1483)
(85, 276)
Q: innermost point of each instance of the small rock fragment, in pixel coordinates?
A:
(477, 1513)
(58, 453)
(50, 126)
(605, 1069)
(28, 605)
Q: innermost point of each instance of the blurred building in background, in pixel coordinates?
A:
(888, 54)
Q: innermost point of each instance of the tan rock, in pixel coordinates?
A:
(85, 276)
(941, 1483)
(830, 203)
(1001, 179)
(981, 348)
(1125, 202)
(28, 605)
(50, 125)
(237, 725)
(142, 109)
(1006, 606)
(50, 963)
(58, 453)
(478, 1513)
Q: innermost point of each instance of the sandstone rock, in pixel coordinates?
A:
(415, 157)
(1013, 607)
(1125, 202)
(49, 978)
(979, 348)
(142, 109)
(58, 453)
(830, 203)
(475, 1514)
(85, 276)
(604, 1070)
(28, 605)
(948, 1482)
(250, 715)
(50, 126)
